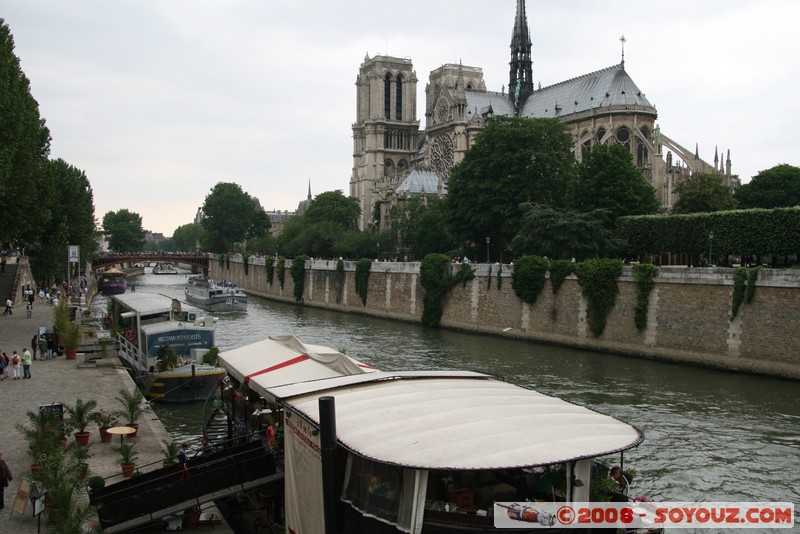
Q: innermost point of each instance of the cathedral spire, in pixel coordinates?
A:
(309, 188)
(520, 83)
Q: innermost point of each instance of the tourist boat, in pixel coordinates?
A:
(215, 296)
(423, 452)
(164, 268)
(112, 282)
(150, 321)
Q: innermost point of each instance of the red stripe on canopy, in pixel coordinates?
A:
(287, 363)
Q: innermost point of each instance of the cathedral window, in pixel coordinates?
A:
(399, 98)
(623, 135)
(641, 154)
(387, 96)
(601, 133)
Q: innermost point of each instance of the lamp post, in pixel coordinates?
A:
(487, 248)
(710, 241)
(379, 250)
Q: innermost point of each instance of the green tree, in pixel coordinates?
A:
(514, 160)
(778, 187)
(124, 232)
(558, 234)
(231, 216)
(24, 147)
(608, 179)
(703, 192)
(420, 223)
(333, 207)
(187, 237)
(70, 203)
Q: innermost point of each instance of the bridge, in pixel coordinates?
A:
(196, 261)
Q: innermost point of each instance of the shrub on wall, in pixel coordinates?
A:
(489, 279)
(340, 277)
(281, 267)
(245, 261)
(222, 260)
(598, 281)
(528, 277)
(269, 263)
(739, 283)
(298, 271)
(228, 262)
(751, 285)
(437, 281)
(363, 267)
(559, 271)
(644, 274)
(499, 276)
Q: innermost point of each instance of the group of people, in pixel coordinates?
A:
(16, 362)
(44, 347)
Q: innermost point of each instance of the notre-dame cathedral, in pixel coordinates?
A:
(393, 158)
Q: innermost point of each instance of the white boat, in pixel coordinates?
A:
(418, 451)
(164, 268)
(148, 322)
(215, 296)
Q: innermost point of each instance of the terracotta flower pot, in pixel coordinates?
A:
(136, 426)
(128, 469)
(71, 354)
(82, 438)
(105, 437)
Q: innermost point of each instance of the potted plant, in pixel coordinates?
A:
(71, 338)
(132, 407)
(127, 459)
(105, 420)
(79, 417)
(43, 434)
(171, 449)
(166, 358)
(81, 454)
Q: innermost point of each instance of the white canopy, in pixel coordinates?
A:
(282, 360)
(461, 422)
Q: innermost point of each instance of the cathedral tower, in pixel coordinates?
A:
(520, 82)
(385, 132)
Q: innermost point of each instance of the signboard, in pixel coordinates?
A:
(21, 500)
(52, 411)
(73, 253)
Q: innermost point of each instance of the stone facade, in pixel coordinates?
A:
(688, 313)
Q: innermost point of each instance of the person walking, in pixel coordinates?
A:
(35, 347)
(26, 362)
(16, 365)
(8, 308)
(44, 348)
(5, 478)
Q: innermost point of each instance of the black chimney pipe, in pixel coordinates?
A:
(330, 477)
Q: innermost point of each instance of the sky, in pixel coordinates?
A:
(159, 100)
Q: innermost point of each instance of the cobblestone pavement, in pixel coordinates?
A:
(64, 381)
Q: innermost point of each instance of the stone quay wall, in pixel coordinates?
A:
(689, 310)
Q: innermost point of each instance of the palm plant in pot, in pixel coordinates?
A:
(127, 458)
(132, 407)
(78, 418)
(104, 420)
(171, 450)
(43, 435)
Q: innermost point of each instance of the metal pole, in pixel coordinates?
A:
(330, 478)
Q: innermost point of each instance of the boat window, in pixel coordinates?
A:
(383, 491)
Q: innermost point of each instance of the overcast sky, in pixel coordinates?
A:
(157, 101)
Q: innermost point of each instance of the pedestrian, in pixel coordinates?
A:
(5, 478)
(29, 310)
(26, 362)
(16, 365)
(44, 348)
(35, 347)
(8, 308)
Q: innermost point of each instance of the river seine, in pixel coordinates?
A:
(709, 435)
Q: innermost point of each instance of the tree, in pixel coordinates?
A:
(24, 147)
(187, 237)
(70, 203)
(608, 179)
(124, 231)
(565, 234)
(421, 225)
(334, 207)
(778, 187)
(705, 193)
(231, 216)
(513, 160)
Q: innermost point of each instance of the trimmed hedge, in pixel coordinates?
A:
(528, 277)
(437, 281)
(363, 267)
(598, 281)
(298, 270)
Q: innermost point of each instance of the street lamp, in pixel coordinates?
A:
(487, 248)
(379, 250)
(710, 241)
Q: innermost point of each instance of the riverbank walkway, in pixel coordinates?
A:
(64, 381)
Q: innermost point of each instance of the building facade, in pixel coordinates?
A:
(390, 152)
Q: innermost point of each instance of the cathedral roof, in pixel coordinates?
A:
(421, 181)
(607, 87)
(482, 101)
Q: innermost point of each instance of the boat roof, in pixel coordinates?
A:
(149, 303)
(458, 420)
(113, 271)
(171, 326)
(462, 421)
(285, 360)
